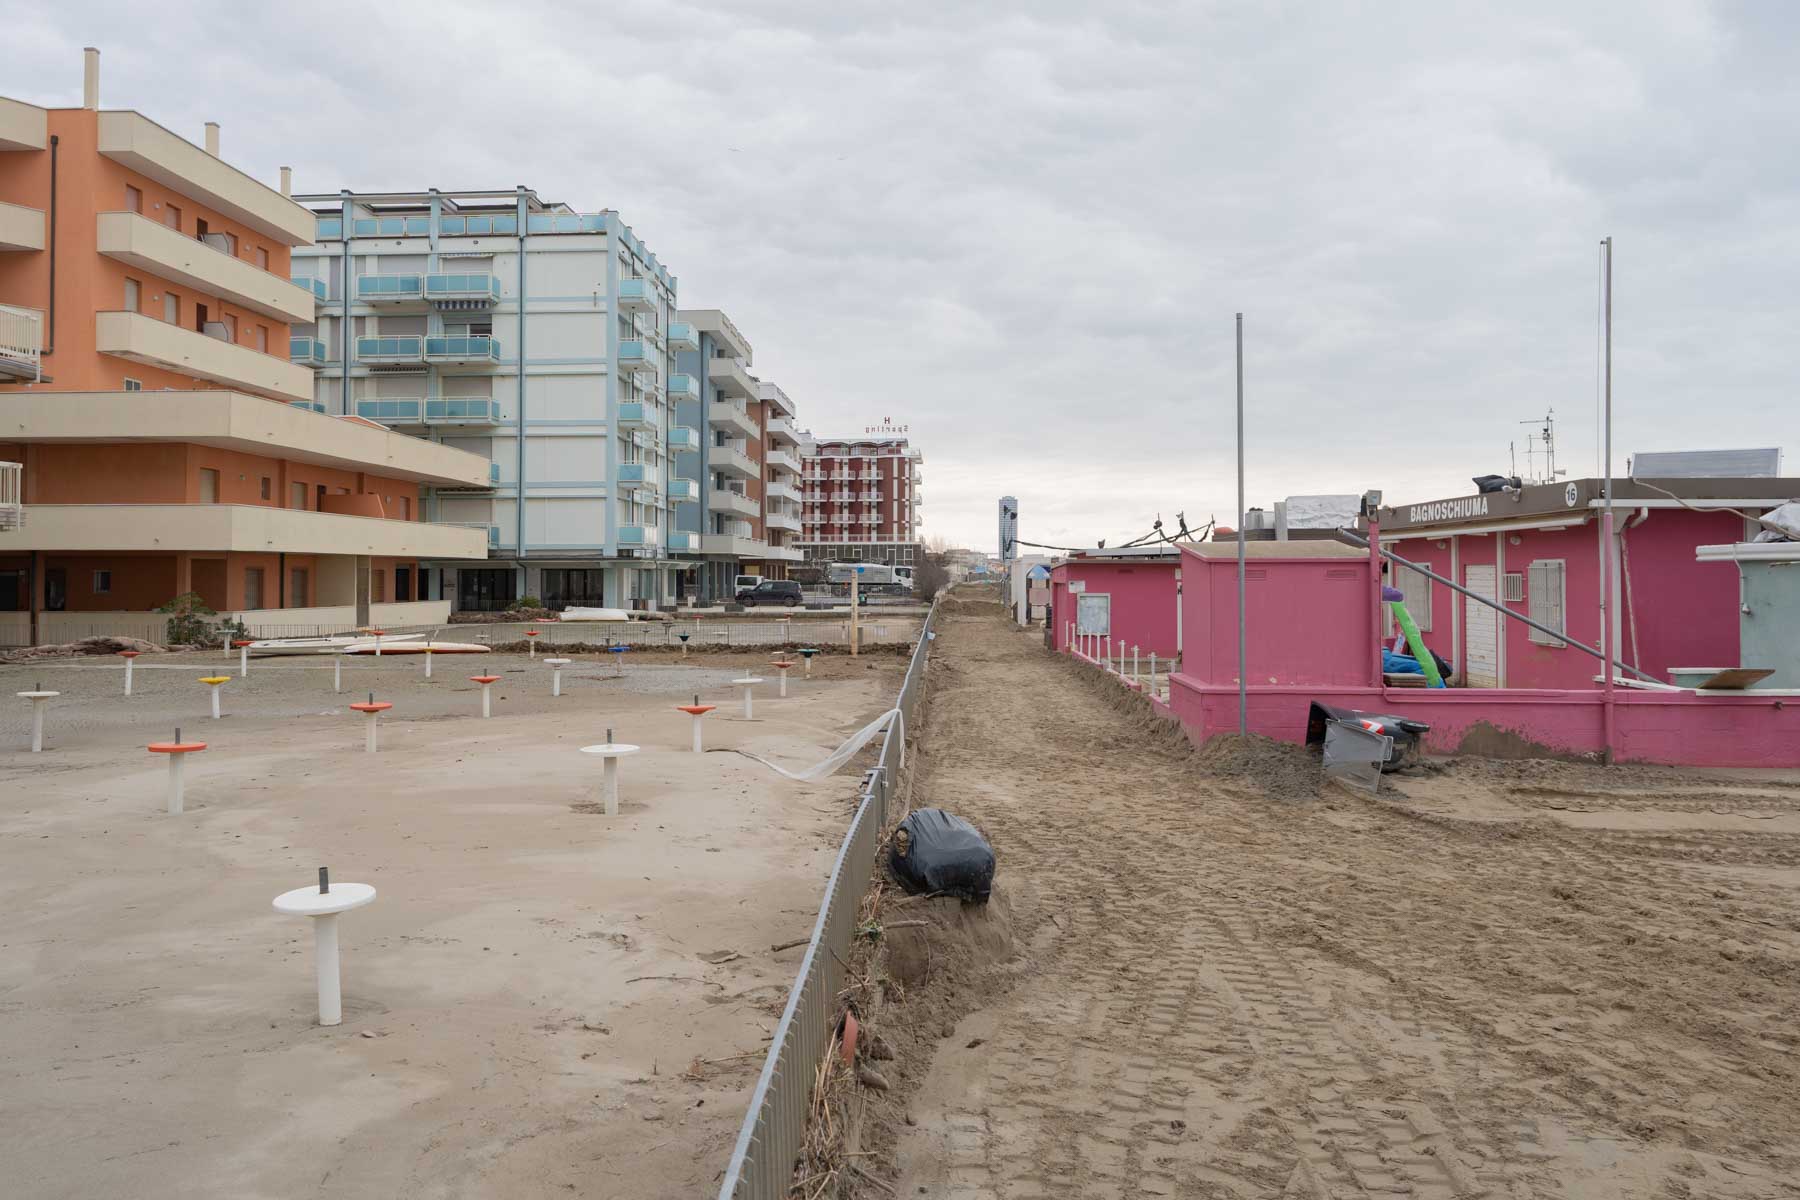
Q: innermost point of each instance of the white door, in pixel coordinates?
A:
(1482, 629)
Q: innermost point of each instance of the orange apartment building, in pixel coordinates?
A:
(155, 439)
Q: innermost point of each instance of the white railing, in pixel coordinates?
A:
(21, 339)
(12, 495)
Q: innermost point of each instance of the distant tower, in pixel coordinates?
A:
(1009, 530)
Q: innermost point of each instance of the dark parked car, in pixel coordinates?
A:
(785, 592)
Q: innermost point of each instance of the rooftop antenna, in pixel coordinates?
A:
(1545, 437)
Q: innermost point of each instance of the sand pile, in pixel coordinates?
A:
(81, 646)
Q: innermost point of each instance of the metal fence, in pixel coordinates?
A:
(706, 632)
(768, 1144)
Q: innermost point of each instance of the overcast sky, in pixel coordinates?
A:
(1023, 229)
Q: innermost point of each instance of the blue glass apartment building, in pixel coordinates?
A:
(541, 338)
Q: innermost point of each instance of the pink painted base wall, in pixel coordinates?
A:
(1667, 728)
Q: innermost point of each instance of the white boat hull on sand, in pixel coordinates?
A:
(594, 614)
(325, 645)
(367, 646)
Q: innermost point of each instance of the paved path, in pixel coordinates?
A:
(1245, 996)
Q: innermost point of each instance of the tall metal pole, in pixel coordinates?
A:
(1607, 615)
(1243, 664)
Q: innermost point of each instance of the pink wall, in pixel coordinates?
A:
(1668, 728)
(1310, 621)
(1143, 601)
(1685, 612)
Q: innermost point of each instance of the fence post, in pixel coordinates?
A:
(1134, 664)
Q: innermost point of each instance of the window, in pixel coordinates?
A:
(132, 291)
(1415, 587)
(102, 582)
(1546, 592)
(253, 587)
(297, 495)
(134, 199)
(297, 583)
(172, 217)
(262, 257)
(133, 385)
(267, 486)
(485, 589)
(209, 486)
(402, 584)
(1514, 590)
(172, 308)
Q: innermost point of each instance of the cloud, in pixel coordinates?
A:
(1024, 228)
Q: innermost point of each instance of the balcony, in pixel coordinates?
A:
(736, 462)
(727, 501)
(684, 491)
(390, 289)
(638, 537)
(683, 438)
(681, 542)
(308, 351)
(156, 343)
(462, 291)
(462, 350)
(781, 460)
(782, 520)
(635, 414)
(730, 378)
(733, 545)
(142, 145)
(321, 291)
(782, 491)
(682, 387)
(23, 126)
(637, 473)
(733, 418)
(403, 349)
(21, 340)
(781, 429)
(252, 528)
(159, 250)
(21, 228)
(638, 355)
(637, 295)
(430, 410)
(683, 338)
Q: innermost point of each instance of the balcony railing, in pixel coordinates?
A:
(21, 340)
(318, 287)
(407, 348)
(637, 295)
(682, 387)
(636, 473)
(476, 287)
(683, 337)
(308, 405)
(637, 535)
(389, 289)
(308, 350)
(462, 348)
(637, 355)
(681, 541)
(683, 438)
(430, 410)
(685, 491)
(635, 414)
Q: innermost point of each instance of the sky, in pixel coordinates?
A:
(1023, 230)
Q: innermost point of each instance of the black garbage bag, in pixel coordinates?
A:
(933, 851)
